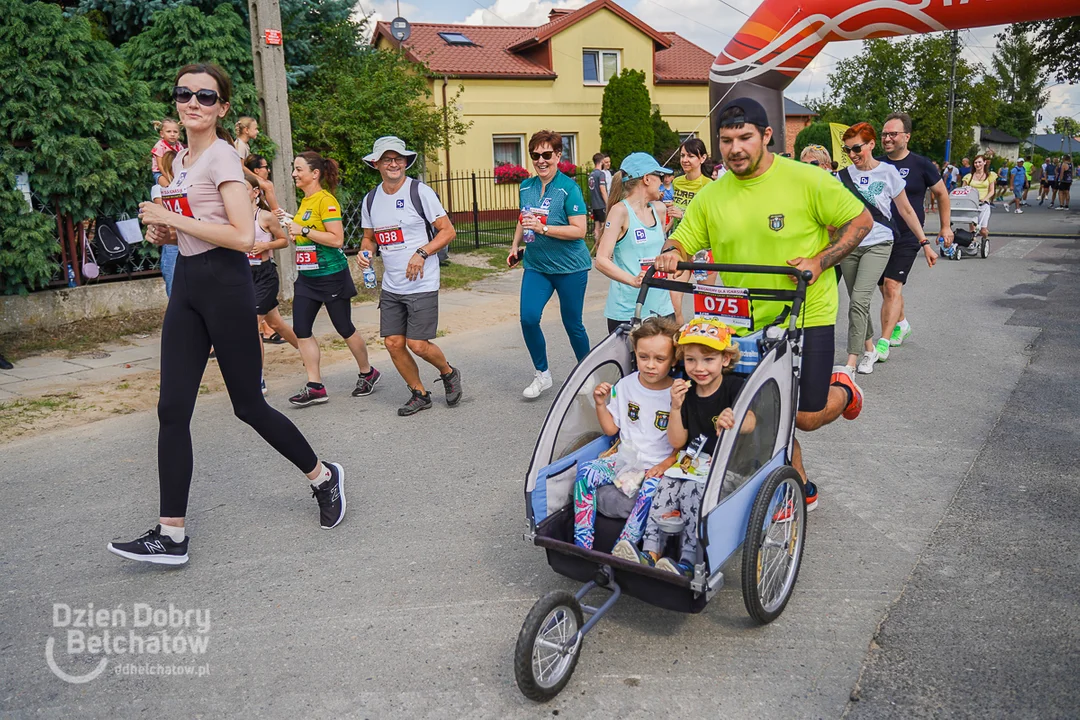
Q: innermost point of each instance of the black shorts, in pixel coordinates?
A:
(599, 214)
(265, 278)
(819, 345)
(416, 316)
(1064, 185)
(900, 263)
(326, 288)
(1053, 184)
(1044, 183)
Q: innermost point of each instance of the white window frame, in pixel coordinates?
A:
(505, 137)
(684, 136)
(600, 52)
(572, 136)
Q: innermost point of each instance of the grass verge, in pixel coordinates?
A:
(19, 412)
(79, 337)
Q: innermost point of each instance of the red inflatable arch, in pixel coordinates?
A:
(782, 37)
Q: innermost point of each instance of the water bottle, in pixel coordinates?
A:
(527, 236)
(71, 276)
(369, 272)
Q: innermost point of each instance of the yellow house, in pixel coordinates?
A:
(517, 80)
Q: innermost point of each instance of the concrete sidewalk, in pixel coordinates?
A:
(492, 300)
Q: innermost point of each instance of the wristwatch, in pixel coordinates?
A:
(924, 243)
(545, 230)
(306, 231)
(422, 253)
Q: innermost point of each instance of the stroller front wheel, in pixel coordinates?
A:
(548, 646)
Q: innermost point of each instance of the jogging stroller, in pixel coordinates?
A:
(964, 204)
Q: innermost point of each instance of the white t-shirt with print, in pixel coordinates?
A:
(399, 231)
(642, 416)
(879, 186)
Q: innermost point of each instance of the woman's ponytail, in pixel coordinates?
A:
(328, 169)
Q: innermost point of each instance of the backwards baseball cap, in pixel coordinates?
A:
(639, 164)
(706, 331)
(386, 144)
(751, 113)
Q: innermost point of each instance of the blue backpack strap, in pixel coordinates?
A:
(418, 206)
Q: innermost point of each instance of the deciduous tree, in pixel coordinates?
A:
(626, 116)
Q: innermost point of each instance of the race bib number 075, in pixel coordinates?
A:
(732, 305)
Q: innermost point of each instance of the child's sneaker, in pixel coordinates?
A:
(625, 550)
(811, 495)
(679, 568)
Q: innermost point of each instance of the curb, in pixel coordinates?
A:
(1044, 236)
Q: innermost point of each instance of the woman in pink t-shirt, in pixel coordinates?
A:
(212, 303)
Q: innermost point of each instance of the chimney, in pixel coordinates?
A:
(557, 13)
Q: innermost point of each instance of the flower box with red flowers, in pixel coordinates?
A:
(508, 174)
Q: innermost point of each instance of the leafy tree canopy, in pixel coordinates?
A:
(816, 133)
(1056, 42)
(910, 75)
(626, 124)
(1020, 79)
(184, 34)
(665, 140)
(1066, 126)
(360, 95)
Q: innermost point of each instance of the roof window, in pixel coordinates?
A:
(455, 38)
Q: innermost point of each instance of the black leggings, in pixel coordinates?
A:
(213, 304)
(304, 310)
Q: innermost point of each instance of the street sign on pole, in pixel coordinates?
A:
(273, 37)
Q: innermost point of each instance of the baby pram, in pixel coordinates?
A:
(964, 204)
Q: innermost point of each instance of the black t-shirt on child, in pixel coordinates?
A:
(699, 413)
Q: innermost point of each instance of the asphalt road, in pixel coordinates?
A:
(412, 606)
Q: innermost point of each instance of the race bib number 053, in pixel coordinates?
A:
(307, 259)
(732, 305)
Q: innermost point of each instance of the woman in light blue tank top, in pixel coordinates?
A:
(633, 237)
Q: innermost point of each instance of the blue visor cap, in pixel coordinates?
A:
(639, 164)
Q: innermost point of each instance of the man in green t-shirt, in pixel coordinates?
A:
(770, 210)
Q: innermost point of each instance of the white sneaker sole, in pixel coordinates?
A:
(623, 551)
(341, 493)
(309, 403)
(156, 559)
(529, 394)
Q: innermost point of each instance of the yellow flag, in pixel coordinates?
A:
(837, 130)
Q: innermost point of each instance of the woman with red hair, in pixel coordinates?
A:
(878, 185)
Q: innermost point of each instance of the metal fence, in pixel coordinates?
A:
(483, 210)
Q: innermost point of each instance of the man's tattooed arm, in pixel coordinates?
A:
(846, 238)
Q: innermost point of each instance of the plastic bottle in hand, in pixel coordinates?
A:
(369, 272)
(527, 236)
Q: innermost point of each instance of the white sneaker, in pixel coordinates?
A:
(540, 383)
(866, 362)
(1019, 211)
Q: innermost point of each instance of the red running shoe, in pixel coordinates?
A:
(842, 376)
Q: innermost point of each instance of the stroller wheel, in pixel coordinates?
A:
(958, 252)
(984, 248)
(548, 646)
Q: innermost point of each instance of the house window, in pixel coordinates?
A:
(569, 147)
(453, 38)
(508, 149)
(599, 66)
(684, 136)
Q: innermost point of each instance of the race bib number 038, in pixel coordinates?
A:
(732, 305)
(307, 259)
(388, 237)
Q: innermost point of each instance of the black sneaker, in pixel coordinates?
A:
(419, 401)
(309, 396)
(365, 384)
(153, 547)
(452, 382)
(331, 497)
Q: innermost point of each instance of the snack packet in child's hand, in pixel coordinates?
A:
(629, 469)
(629, 481)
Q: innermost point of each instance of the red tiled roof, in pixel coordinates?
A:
(682, 63)
(488, 57)
(535, 36)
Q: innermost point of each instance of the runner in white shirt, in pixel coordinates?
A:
(395, 217)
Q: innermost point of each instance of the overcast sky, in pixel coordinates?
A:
(712, 25)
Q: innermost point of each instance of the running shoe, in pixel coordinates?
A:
(899, 335)
(842, 376)
(866, 362)
(153, 547)
(309, 396)
(452, 383)
(882, 350)
(811, 495)
(365, 384)
(540, 383)
(419, 401)
(1019, 211)
(331, 497)
(626, 550)
(262, 384)
(679, 568)
(5, 364)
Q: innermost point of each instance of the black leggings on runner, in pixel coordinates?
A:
(213, 304)
(305, 309)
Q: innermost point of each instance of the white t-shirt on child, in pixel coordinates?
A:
(642, 417)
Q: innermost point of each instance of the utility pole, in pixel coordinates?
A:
(952, 94)
(268, 54)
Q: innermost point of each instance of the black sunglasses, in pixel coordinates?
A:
(546, 155)
(854, 148)
(206, 98)
(815, 163)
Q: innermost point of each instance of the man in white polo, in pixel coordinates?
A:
(404, 219)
